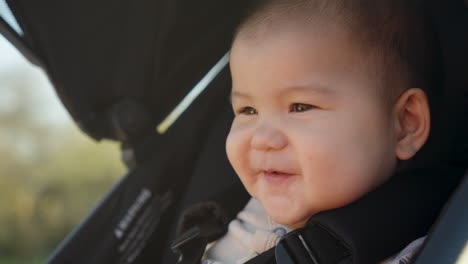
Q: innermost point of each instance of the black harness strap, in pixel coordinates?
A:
(314, 244)
(190, 246)
(199, 225)
(267, 257)
(374, 227)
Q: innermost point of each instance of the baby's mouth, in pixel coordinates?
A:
(276, 172)
(276, 176)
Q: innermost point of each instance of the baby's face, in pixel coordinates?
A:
(311, 132)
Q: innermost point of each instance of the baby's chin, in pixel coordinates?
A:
(284, 212)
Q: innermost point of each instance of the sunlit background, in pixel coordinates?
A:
(51, 174)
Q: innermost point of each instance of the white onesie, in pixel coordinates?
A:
(250, 234)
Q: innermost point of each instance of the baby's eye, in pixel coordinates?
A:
(248, 111)
(298, 107)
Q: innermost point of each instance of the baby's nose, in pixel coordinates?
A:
(268, 138)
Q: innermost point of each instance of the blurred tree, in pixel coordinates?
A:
(50, 176)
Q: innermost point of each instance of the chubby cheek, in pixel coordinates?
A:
(343, 166)
(237, 149)
(324, 176)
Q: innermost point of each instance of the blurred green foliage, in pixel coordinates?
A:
(50, 177)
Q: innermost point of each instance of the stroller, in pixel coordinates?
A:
(149, 74)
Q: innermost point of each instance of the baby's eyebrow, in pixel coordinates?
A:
(319, 89)
(237, 94)
(313, 88)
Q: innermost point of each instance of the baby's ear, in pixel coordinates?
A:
(412, 122)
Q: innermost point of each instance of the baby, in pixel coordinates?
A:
(329, 96)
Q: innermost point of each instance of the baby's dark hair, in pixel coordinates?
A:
(397, 33)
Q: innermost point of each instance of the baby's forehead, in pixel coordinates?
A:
(274, 22)
(294, 51)
(260, 34)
